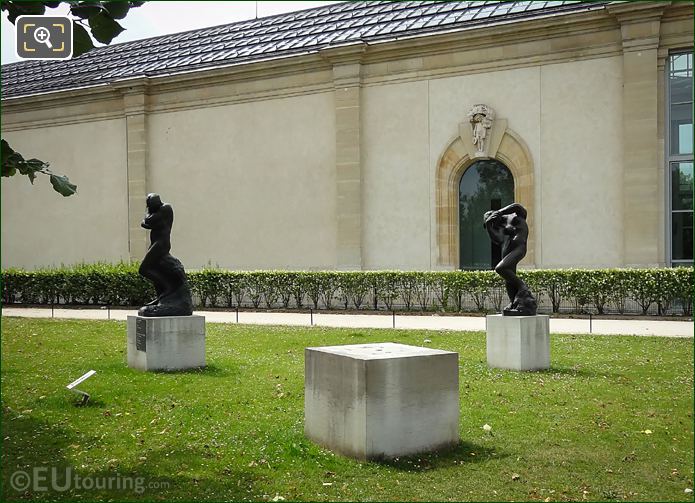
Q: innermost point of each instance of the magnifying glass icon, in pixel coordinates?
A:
(43, 36)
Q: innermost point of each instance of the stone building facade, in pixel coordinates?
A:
(369, 152)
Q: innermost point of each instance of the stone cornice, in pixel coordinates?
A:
(492, 66)
(134, 85)
(678, 10)
(75, 96)
(347, 74)
(639, 23)
(134, 91)
(672, 42)
(239, 72)
(346, 54)
(637, 12)
(641, 44)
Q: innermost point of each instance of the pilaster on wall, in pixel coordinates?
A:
(661, 102)
(347, 82)
(134, 107)
(643, 205)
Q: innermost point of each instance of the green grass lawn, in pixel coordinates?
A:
(612, 420)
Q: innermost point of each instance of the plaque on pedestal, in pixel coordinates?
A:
(141, 334)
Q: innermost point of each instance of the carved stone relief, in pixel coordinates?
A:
(481, 118)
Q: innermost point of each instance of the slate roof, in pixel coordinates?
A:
(276, 36)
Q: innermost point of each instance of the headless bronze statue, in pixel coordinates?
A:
(160, 267)
(507, 227)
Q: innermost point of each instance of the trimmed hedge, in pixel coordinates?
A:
(665, 290)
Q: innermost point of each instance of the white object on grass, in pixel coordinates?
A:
(71, 386)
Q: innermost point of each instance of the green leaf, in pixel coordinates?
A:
(81, 41)
(16, 9)
(104, 28)
(14, 161)
(85, 10)
(30, 167)
(6, 149)
(11, 160)
(117, 10)
(62, 185)
(8, 169)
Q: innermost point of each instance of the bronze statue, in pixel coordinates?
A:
(160, 267)
(507, 227)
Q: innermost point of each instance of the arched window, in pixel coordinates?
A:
(485, 185)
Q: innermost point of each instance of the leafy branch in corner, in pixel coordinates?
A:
(13, 162)
(97, 18)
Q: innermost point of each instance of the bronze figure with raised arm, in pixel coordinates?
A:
(507, 227)
(160, 267)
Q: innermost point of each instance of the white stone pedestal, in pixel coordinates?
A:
(166, 343)
(372, 401)
(518, 342)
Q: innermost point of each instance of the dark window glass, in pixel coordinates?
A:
(681, 89)
(681, 185)
(485, 185)
(680, 141)
(682, 238)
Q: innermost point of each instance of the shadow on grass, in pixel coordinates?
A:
(29, 443)
(41, 453)
(92, 403)
(165, 474)
(578, 372)
(207, 371)
(210, 370)
(461, 454)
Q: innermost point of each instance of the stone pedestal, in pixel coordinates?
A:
(166, 343)
(518, 342)
(372, 401)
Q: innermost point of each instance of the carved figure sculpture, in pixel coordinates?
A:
(160, 267)
(507, 227)
(481, 117)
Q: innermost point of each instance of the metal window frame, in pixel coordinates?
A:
(669, 158)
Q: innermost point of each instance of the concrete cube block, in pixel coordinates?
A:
(166, 343)
(518, 342)
(372, 401)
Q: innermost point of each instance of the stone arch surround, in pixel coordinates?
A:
(456, 158)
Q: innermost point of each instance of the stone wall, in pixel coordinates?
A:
(42, 228)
